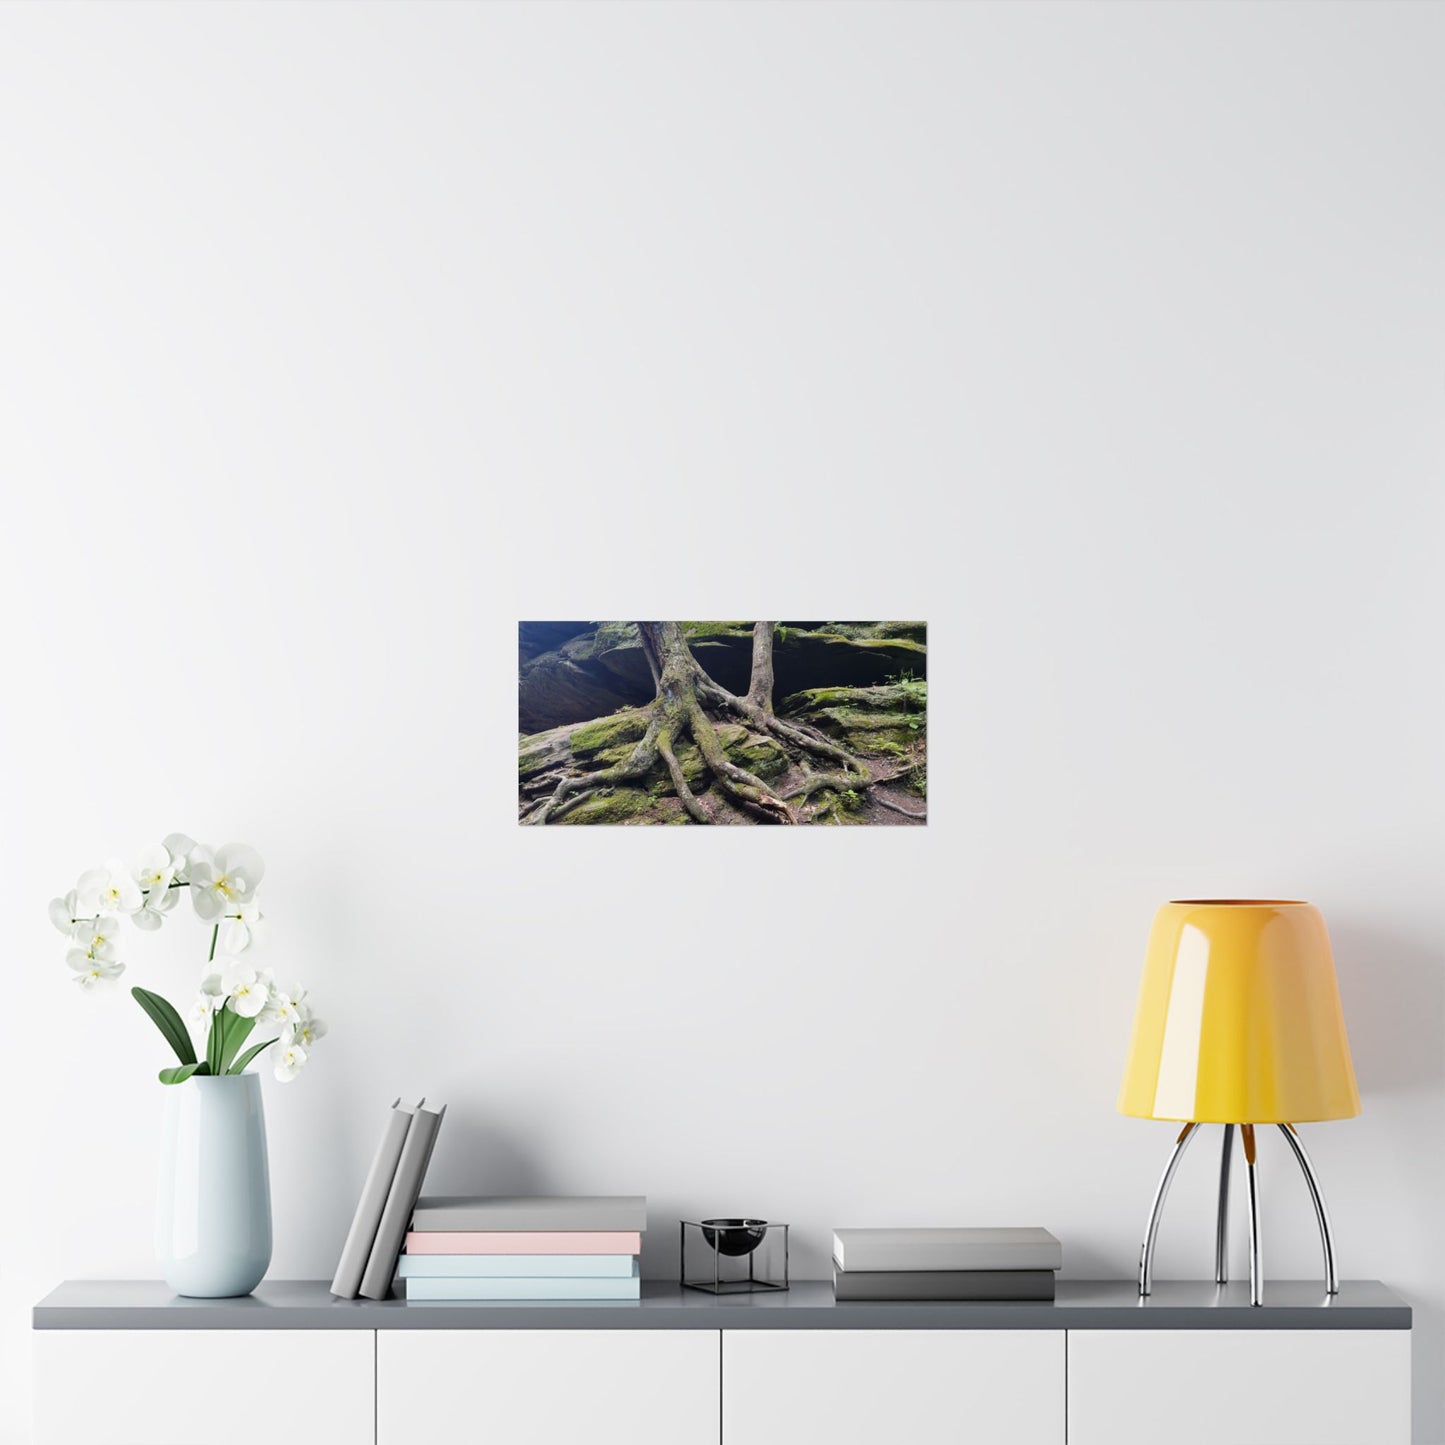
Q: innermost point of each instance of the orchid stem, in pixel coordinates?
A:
(215, 934)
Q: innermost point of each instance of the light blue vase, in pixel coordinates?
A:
(213, 1217)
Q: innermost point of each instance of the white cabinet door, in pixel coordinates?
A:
(888, 1387)
(1249, 1387)
(202, 1387)
(546, 1387)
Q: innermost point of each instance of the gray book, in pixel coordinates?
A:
(400, 1201)
(579, 1214)
(364, 1223)
(942, 1249)
(934, 1284)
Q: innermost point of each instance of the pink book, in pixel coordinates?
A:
(435, 1241)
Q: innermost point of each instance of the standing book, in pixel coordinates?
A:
(405, 1190)
(364, 1223)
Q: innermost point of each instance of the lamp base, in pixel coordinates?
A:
(1221, 1233)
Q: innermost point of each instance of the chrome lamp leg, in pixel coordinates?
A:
(1322, 1215)
(1151, 1232)
(1221, 1228)
(1251, 1171)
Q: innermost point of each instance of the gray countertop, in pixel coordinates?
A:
(1081, 1305)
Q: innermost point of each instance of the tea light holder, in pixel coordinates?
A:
(733, 1256)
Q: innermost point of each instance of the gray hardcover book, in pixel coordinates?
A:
(405, 1187)
(362, 1234)
(580, 1214)
(935, 1249)
(955, 1284)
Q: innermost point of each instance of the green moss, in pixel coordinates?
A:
(840, 809)
(612, 635)
(608, 732)
(894, 697)
(909, 631)
(880, 744)
(761, 756)
(617, 805)
(695, 630)
(533, 759)
(852, 721)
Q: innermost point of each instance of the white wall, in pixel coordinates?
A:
(338, 338)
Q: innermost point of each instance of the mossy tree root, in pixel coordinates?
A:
(695, 810)
(685, 694)
(573, 790)
(855, 774)
(747, 788)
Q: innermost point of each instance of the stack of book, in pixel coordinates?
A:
(388, 1197)
(945, 1264)
(525, 1249)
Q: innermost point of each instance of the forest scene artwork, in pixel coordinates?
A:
(722, 723)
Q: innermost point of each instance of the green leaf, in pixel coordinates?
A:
(236, 1032)
(216, 1038)
(182, 1072)
(168, 1021)
(239, 1067)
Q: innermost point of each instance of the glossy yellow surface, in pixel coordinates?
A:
(1239, 1018)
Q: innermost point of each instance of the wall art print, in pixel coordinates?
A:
(722, 723)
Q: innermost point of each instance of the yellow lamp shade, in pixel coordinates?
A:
(1239, 1018)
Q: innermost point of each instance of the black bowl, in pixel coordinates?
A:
(734, 1237)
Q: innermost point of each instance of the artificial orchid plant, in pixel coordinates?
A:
(235, 998)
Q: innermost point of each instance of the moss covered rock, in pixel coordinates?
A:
(881, 721)
(628, 806)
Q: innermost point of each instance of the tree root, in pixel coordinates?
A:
(884, 801)
(748, 789)
(679, 783)
(685, 694)
(636, 765)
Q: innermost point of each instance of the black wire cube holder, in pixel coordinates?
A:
(733, 1256)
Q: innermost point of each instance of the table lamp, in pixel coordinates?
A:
(1239, 1023)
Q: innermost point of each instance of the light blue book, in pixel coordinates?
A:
(518, 1266)
(523, 1289)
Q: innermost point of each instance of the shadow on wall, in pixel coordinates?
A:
(474, 1155)
(1392, 987)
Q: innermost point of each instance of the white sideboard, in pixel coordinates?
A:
(868, 1387)
(127, 1363)
(202, 1387)
(1201, 1387)
(537, 1387)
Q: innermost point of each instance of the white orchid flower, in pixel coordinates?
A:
(290, 1060)
(243, 929)
(249, 994)
(65, 912)
(153, 911)
(221, 884)
(305, 1031)
(97, 936)
(180, 848)
(108, 889)
(92, 971)
(281, 1009)
(156, 870)
(211, 997)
